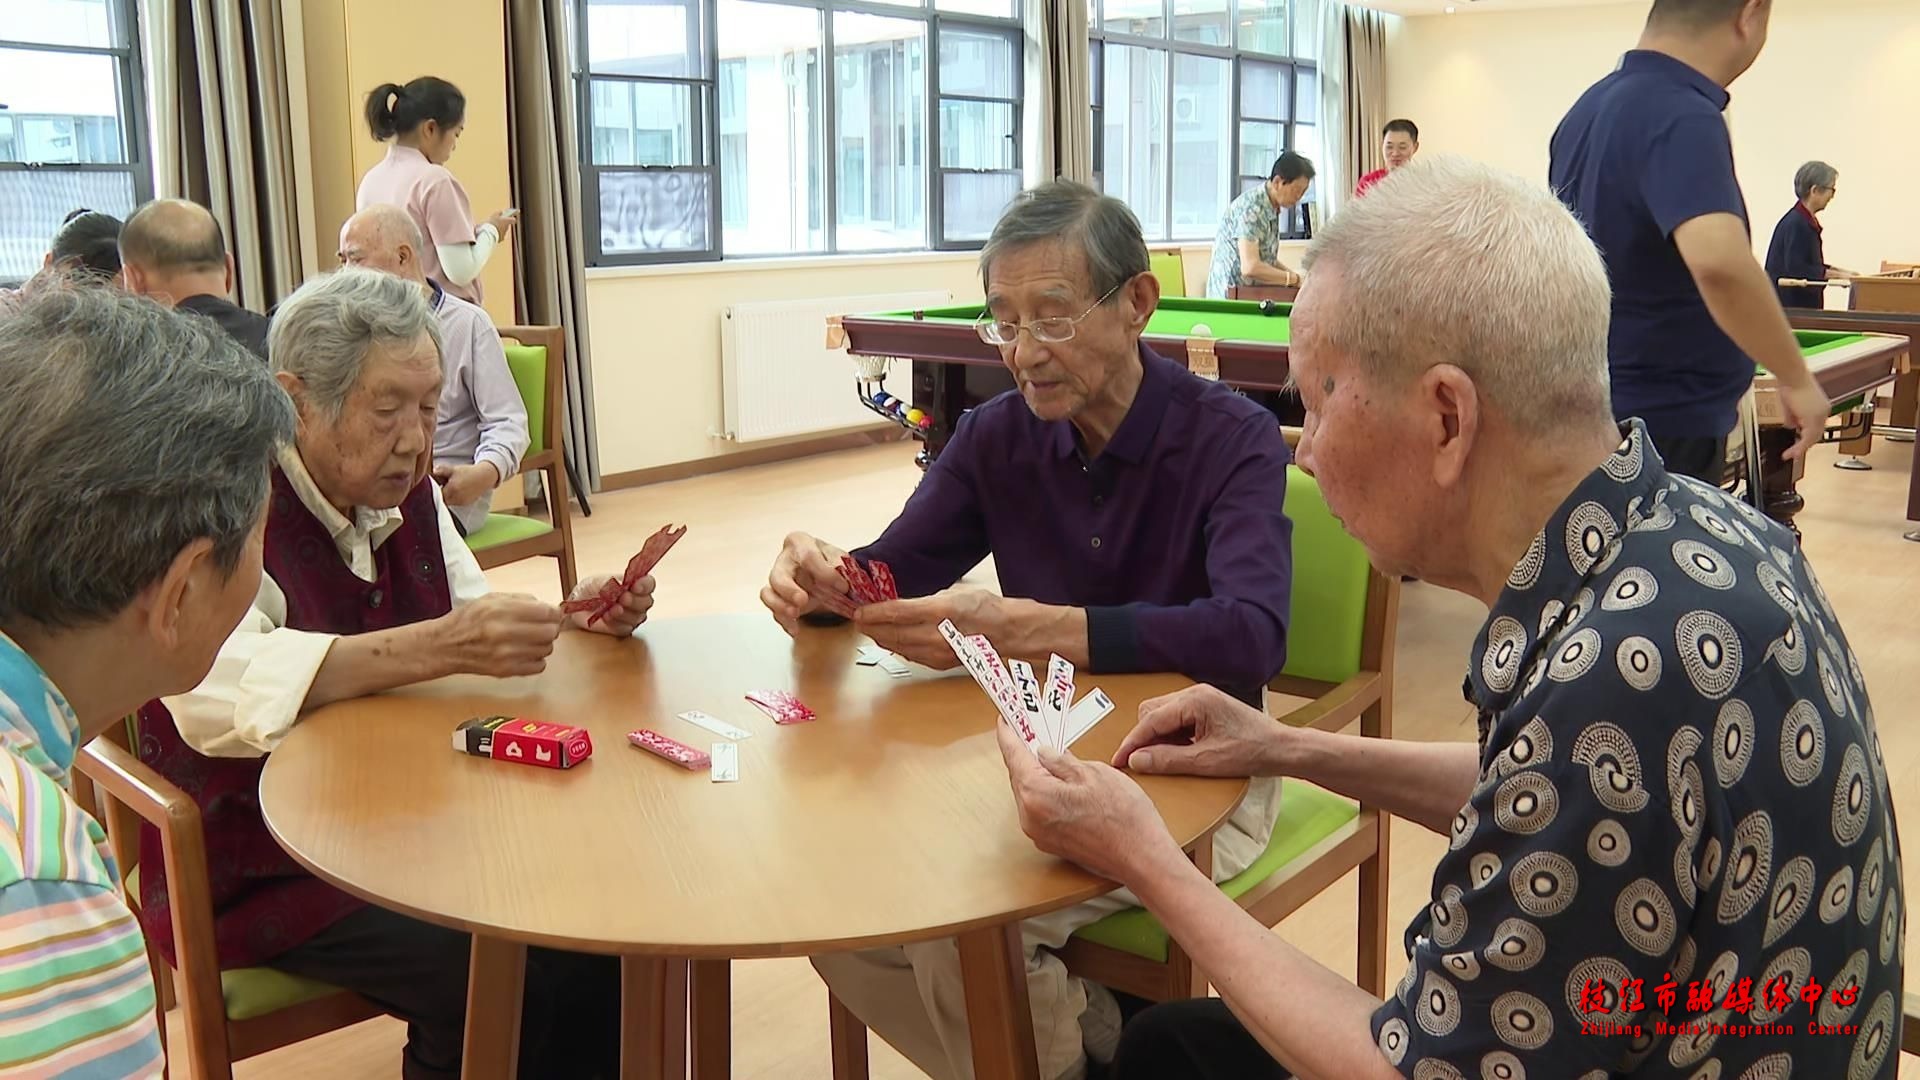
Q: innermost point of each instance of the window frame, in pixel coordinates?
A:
(130, 75)
(928, 12)
(1298, 226)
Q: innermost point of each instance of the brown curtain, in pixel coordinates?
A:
(1059, 110)
(543, 160)
(223, 120)
(1365, 90)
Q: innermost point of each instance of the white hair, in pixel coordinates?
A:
(1452, 261)
(322, 333)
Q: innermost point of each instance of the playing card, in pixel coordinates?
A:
(608, 596)
(864, 588)
(714, 724)
(895, 666)
(782, 706)
(1091, 710)
(670, 749)
(869, 655)
(1027, 691)
(1056, 696)
(883, 577)
(726, 762)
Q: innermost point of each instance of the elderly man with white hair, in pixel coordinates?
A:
(482, 432)
(1671, 852)
(367, 587)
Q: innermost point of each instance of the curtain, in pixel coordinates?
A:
(224, 131)
(1059, 111)
(1366, 91)
(543, 162)
(1335, 176)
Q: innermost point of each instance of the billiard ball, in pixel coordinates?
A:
(1202, 330)
(880, 398)
(914, 415)
(926, 423)
(1268, 307)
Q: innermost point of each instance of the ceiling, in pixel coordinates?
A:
(1463, 7)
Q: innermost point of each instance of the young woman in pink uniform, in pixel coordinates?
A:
(424, 119)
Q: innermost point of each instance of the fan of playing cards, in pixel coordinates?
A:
(1043, 716)
(638, 567)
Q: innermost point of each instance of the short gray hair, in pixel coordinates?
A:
(1078, 217)
(1452, 261)
(127, 432)
(1814, 174)
(323, 331)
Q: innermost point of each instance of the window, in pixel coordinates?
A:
(72, 122)
(729, 128)
(1193, 100)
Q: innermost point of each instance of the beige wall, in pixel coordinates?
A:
(353, 46)
(1836, 82)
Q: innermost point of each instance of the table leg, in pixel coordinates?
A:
(653, 1018)
(1783, 501)
(712, 1019)
(496, 976)
(993, 966)
(1913, 492)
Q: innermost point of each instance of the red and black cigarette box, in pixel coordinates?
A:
(529, 742)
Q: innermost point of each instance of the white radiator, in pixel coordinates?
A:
(777, 376)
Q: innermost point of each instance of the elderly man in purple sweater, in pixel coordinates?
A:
(1134, 514)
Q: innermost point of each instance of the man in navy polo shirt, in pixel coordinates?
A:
(1134, 515)
(1645, 160)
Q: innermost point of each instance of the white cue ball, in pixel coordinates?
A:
(1202, 330)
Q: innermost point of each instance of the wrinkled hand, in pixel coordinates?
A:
(1200, 731)
(1085, 812)
(911, 628)
(462, 485)
(1807, 409)
(804, 579)
(623, 618)
(502, 634)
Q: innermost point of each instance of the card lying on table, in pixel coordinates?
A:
(1043, 715)
(639, 566)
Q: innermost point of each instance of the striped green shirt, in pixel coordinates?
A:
(76, 999)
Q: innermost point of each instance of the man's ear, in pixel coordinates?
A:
(168, 601)
(1143, 296)
(229, 273)
(1451, 406)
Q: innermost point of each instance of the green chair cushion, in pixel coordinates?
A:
(502, 529)
(529, 366)
(1329, 588)
(255, 992)
(1308, 815)
(1171, 268)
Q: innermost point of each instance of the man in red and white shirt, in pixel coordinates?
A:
(1399, 142)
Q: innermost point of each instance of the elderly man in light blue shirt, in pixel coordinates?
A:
(482, 430)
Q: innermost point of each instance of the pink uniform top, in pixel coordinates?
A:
(436, 201)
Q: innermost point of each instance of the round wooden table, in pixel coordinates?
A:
(886, 821)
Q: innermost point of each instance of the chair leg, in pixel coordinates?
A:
(1370, 968)
(849, 1040)
(561, 514)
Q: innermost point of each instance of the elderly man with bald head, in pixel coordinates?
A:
(171, 250)
(1670, 852)
(482, 431)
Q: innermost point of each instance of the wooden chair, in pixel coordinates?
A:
(229, 1015)
(1340, 655)
(537, 361)
(1170, 266)
(1910, 1026)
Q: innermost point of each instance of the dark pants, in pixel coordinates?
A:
(1197, 1039)
(570, 1017)
(1696, 456)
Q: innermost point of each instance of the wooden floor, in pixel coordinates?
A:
(1853, 527)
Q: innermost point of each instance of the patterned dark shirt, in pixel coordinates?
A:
(1680, 781)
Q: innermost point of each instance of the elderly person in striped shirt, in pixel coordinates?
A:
(134, 447)
(367, 588)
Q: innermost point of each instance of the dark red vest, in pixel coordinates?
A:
(263, 902)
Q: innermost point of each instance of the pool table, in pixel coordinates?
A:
(1899, 324)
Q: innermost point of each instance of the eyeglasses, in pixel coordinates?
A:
(1054, 330)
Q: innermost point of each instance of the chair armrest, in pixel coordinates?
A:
(116, 771)
(1339, 706)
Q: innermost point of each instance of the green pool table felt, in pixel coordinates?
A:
(1239, 320)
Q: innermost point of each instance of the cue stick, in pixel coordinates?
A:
(1802, 283)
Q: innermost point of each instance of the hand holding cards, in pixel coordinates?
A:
(870, 584)
(609, 597)
(1040, 715)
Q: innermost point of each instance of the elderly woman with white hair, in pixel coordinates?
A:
(1670, 853)
(1798, 251)
(367, 587)
(134, 448)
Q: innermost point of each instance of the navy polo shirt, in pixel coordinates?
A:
(1644, 151)
(1174, 538)
(1797, 251)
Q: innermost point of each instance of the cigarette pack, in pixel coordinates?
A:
(528, 742)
